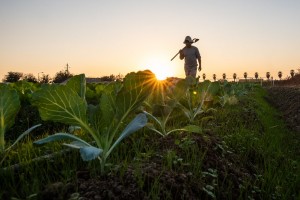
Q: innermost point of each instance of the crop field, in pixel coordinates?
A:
(141, 138)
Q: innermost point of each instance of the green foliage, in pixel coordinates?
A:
(67, 104)
(192, 97)
(25, 90)
(9, 107)
(229, 93)
(161, 122)
(252, 128)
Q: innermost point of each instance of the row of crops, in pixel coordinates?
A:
(94, 120)
(111, 116)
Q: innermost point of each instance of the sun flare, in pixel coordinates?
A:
(160, 68)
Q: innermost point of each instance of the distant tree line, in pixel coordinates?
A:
(256, 75)
(59, 77)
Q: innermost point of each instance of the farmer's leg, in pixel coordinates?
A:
(190, 71)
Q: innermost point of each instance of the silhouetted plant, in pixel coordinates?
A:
(204, 76)
(12, 77)
(256, 75)
(234, 76)
(224, 76)
(214, 77)
(292, 73)
(280, 74)
(268, 75)
(245, 75)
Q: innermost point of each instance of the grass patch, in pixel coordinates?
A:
(256, 133)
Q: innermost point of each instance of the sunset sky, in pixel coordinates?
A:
(100, 38)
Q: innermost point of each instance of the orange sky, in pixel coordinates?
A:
(116, 37)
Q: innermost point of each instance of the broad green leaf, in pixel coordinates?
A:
(9, 107)
(180, 89)
(60, 136)
(136, 88)
(60, 104)
(99, 89)
(107, 107)
(87, 152)
(23, 135)
(137, 123)
(78, 84)
(90, 153)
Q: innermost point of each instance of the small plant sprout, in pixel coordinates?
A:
(104, 122)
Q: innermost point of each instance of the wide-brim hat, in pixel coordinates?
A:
(187, 39)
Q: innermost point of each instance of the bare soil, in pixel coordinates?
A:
(175, 183)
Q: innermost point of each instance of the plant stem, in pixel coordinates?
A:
(2, 141)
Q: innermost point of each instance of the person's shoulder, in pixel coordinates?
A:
(195, 48)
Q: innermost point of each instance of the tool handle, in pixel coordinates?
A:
(175, 56)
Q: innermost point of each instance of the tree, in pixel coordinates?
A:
(280, 74)
(214, 77)
(234, 76)
(45, 78)
(245, 75)
(256, 75)
(224, 76)
(268, 75)
(204, 76)
(12, 77)
(292, 73)
(30, 78)
(62, 76)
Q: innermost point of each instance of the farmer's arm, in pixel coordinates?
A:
(181, 55)
(199, 59)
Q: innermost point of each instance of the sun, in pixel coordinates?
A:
(160, 68)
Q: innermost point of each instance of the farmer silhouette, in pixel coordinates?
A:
(190, 54)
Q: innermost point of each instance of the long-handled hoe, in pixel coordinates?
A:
(194, 41)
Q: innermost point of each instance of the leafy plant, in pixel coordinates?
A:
(229, 93)
(67, 104)
(162, 103)
(162, 120)
(9, 107)
(193, 97)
